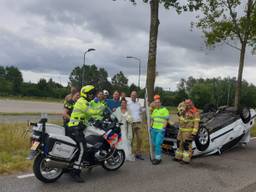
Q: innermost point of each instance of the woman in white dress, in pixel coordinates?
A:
(123, 115)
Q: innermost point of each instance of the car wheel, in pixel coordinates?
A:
(202, 139)
(245, 115)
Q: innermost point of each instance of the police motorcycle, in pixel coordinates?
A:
(54, 153)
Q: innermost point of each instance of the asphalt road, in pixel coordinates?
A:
(233, 171)
(24, 106)
(24, 118)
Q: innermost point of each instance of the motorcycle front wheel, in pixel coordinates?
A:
(115, 161)
(44, 173)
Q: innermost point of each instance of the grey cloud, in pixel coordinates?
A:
(122, 26)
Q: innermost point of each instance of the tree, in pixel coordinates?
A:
(189, 5)
(201, 94)
(120, 82)
(92, 75)
(229, 21)
(2, 72)
(14, 76)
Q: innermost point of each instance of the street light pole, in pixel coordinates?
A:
(139, 60)
(91, 49)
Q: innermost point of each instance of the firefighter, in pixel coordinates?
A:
(189, 118)
(159, 116)
(82, 112)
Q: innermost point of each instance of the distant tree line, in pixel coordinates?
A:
(215, 91)
(12, 84)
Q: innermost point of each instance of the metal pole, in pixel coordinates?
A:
(139, 60)
(91, 49)
(139, 72)
(83, 69)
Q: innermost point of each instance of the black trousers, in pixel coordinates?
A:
(76, 133)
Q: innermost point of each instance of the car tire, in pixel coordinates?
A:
(202, 139)
(245, 115)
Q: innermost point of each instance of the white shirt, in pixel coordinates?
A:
(135, 110)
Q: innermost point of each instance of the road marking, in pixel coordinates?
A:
(25, 176)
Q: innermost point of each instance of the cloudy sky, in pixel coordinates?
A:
(46, 38)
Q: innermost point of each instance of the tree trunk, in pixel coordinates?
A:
(151, 69)
(240, 76)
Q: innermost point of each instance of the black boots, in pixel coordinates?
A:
(156, 161)
(76, 175)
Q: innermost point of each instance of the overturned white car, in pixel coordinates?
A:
(219, 131)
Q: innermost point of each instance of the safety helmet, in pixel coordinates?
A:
(181, 108)
(105, 92)
(86, 90)
(156, 97)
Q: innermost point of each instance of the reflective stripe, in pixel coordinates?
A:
(80, 111)
(186, 120)
(158, 121)
(160, 117)
(74, 120)
(186, 129)
(194, 131)
(186, 154)
(178, 154)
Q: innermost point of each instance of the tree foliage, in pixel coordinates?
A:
(230, 22)
(92, 75)
(120, 82)
(14, 76)
(179, 6)
(11, 84)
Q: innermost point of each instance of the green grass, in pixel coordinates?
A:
(172, 109)
(14, 148)
(253, 131)
(26, 113)
(26, 98)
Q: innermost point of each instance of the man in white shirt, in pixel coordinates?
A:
(135, 110)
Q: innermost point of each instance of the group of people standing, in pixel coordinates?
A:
(81, 105)
(188, 120)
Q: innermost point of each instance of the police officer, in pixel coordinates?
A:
(68, 107)
(99, 105)
(189, 118)
(159, 116)
(82, 112)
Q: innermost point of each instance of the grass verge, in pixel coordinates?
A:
(26, 113)
(14, 148)
(253, 131)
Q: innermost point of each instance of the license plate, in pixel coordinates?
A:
(35, 145)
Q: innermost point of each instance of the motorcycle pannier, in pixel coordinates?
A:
(61, 147)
